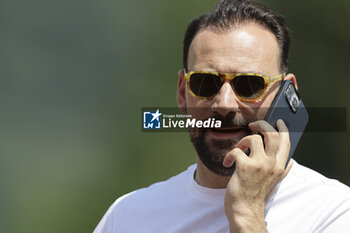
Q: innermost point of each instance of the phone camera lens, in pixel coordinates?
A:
(289, 92)
(288, 95)
(295, 102)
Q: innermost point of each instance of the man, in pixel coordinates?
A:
(228, 191)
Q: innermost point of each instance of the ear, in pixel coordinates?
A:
(292, 78)
(181, 91)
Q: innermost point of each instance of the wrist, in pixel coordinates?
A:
(244, 218)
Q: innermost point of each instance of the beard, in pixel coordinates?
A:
(213, 151)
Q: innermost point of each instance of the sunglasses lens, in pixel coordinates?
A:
(249, 87)
(205, 85)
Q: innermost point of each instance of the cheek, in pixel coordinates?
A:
(266, 102)
(193, 102)
(261, 113)
(198, 108)
(250, 112)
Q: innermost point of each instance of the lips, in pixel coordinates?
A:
(227, 132)
(228, 129)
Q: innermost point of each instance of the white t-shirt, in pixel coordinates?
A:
(304, 202)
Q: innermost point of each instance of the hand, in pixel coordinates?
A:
(256, 176)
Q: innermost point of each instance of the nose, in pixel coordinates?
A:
(225, 101)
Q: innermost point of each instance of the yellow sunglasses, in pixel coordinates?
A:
(247, 86)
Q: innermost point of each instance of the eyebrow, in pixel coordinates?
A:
(241, 72)
(214, 68)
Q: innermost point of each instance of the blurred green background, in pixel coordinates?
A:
(75, 74)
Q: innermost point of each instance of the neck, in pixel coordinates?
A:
(209, 179)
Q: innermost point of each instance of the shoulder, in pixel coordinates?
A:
(141, 203)
(305, 184)
(158, 191)
(307, 177)
(311, 201)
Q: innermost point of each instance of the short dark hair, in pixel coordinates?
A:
(227, 13)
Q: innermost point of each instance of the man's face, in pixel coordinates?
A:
(247, 48)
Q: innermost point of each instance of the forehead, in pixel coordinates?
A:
(243, 48)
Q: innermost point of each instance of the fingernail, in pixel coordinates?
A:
(228, 162)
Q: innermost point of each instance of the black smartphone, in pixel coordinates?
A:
(289, 107)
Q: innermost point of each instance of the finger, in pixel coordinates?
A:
(235, 155)
(284, 142)
(254, 143)
(271, 136)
